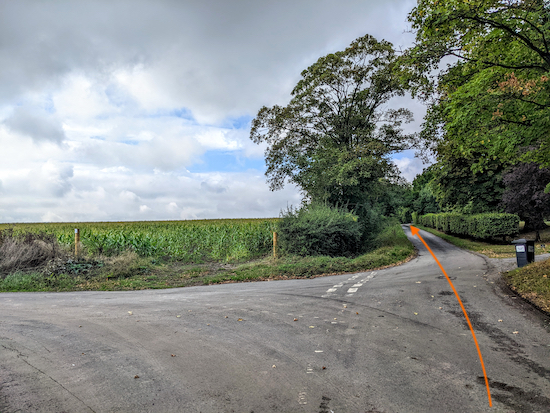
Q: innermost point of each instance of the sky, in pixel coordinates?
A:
(124, 110)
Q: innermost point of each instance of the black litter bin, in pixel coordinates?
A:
(525, 251)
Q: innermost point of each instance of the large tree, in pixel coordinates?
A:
(525, 194)
(335, 137)
(493, 101)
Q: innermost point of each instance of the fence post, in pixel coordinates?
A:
(274, 244)
(76, 241)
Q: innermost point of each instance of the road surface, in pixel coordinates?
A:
(392, 341)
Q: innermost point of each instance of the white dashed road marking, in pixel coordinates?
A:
(353, 289)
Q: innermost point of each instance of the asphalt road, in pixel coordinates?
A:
(392, 340)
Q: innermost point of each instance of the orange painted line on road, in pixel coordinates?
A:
(415, 231)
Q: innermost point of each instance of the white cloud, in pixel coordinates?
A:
(410, 167)
(105, 106)
(51, 217)
(51, 179)
(35, 124)
(172, 207)
(139, 196)
(129, 196)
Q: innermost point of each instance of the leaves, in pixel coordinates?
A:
(333, 140)
(490, 106)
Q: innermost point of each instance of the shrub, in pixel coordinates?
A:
(27, 251)
(125, 265)
(481, 226)
(319, 230)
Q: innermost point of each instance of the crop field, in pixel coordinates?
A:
(195, 241)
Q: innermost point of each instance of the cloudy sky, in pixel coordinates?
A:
(140, 110)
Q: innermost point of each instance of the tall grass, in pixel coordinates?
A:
(187, 241)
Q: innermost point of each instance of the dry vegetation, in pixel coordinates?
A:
(28, 251)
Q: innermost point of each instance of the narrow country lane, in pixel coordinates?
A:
(392, 341)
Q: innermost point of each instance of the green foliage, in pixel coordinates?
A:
(415, 218)
(36, 281)
(491, 250)
(335, 137)
(460, 189)
(319, 230)
(423, 194)
(492, 103)
(480, 226)
(391, 246)
(404, 214)
(187, 241)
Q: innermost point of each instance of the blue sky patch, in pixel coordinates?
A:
(241, 122)
(226, 161)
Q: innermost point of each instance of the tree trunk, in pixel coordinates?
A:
(534, 224)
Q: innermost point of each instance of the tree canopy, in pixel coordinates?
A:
(334, 140)
(525, 194)
(492, 102)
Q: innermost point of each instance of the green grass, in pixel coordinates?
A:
(130, 271)
(532, 282)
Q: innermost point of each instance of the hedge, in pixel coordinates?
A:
(481, 226)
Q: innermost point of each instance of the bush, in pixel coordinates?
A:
(27, 251)
(481, 226)
(319, 230)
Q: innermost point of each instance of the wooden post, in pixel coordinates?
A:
(274, 245)
(76, 241)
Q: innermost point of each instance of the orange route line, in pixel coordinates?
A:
(415, 231)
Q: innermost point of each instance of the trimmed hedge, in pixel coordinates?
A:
(481, 226)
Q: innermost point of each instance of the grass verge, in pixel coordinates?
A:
(131, 272)
(532, 282)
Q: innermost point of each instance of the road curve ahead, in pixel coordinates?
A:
(392, 340)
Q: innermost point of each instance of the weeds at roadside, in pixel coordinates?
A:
(27, 251)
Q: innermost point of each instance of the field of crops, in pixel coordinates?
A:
(188, 241)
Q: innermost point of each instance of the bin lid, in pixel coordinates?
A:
(522, 241)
